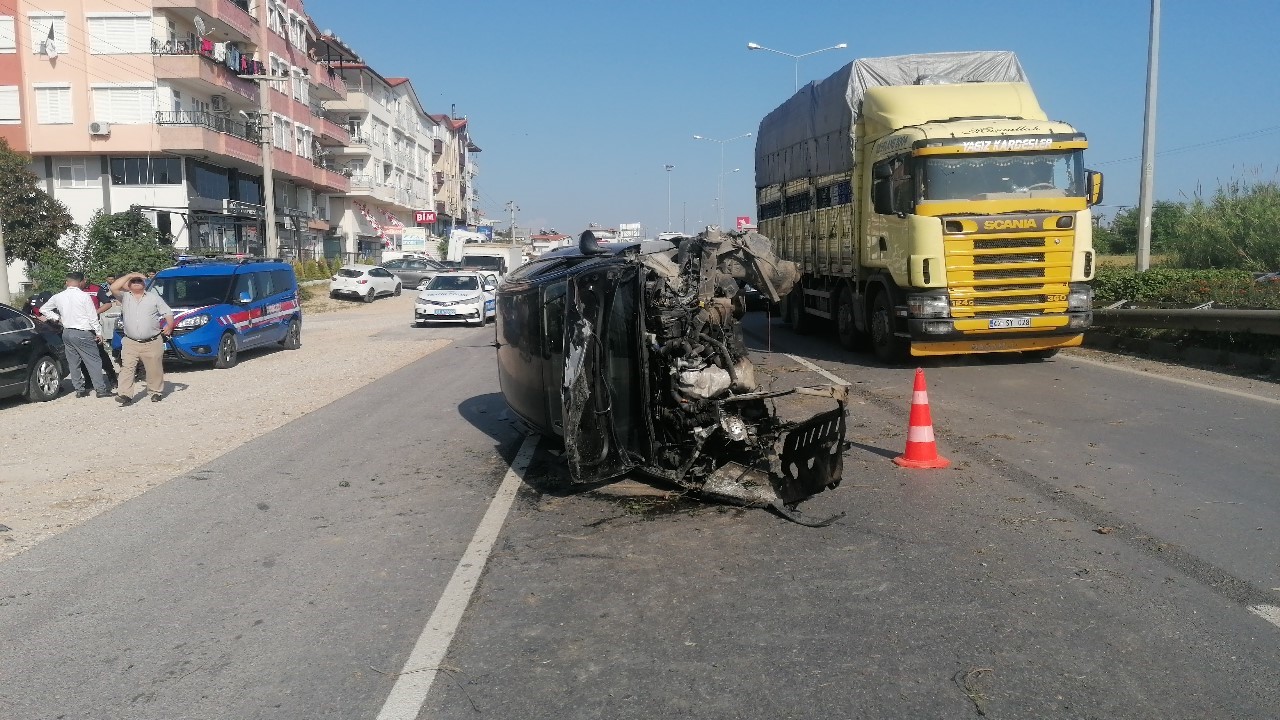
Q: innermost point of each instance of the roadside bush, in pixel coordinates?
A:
(1238, 228)
(1183, 287)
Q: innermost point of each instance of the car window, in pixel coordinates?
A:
(247, 283)
(432, 264)
(394, 264)
(11, 320)
(415, 265)
(281, 281)
(350, 272)
(454, 282)
(187, 291)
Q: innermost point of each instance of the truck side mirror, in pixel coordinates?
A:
(1093, 182)
(882, 197)
(881, 171)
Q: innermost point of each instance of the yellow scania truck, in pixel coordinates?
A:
(933, 207)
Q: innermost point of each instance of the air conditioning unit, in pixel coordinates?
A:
(99, 129)
(220, 105)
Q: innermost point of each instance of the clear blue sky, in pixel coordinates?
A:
(578, 105)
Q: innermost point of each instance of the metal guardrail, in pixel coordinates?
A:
(1257, 322)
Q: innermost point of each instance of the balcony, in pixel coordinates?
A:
(228, 16)
(328, 132)
(209, 134)
(326, 84)
(180, 61)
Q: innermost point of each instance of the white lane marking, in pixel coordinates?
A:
(833, 378)
(409, 693)
(1270, 613)
(1180, 381)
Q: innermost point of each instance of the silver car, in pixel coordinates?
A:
(413, 271)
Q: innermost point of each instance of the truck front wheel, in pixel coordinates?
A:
(846, 327)
(889, 348)
(793, 306)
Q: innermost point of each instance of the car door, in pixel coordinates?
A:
(488, 290)
(16, 337)
(248, 295)
(384, 281)
(605, 428)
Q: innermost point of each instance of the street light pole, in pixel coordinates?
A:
(720, 176)
(1146, 188)
(796, 58)
(266, 138)
(669, 168)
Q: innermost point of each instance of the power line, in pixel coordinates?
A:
(1197, 146)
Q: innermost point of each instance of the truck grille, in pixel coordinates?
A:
(1008, 274)
(1008, 243)
(1010, 300)
(1008, 258)
(1008, 313)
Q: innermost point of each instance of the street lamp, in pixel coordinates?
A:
(669, 168)
(755, 46)
(720, 177)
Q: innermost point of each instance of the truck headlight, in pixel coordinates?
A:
(1080, 321)
(194, 321)
(1079, 297)
(929, 306)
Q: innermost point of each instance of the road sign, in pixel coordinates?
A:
(424, 217)
(744, 221)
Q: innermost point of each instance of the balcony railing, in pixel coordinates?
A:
(216, 122)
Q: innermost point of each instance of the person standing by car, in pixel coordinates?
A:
(81, 332)
(103, 301)
(148, 323)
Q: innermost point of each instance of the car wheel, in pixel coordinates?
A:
(333, 294)
(227, 354)
(293, 335)
(46, 380)
(399, 287)
(888, 347)
(369, 296)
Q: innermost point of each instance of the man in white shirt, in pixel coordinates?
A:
(81, 333)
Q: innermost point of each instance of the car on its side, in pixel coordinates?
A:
(223, 306)
(32, 361)
(459, 296)
(366, 282)
(413, 271)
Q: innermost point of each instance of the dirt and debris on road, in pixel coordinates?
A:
(65, 461)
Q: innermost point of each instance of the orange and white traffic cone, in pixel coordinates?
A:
(922, 450)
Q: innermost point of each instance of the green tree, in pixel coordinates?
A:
(119, 243)
(1121, 234)
(34, 221)
(1238, 228)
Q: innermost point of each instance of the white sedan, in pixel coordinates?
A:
(366, 282)
(466, 297)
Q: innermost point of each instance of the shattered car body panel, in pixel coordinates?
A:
(633, 355)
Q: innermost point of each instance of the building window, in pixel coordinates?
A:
(8, 39)
(53, 104)
(10, 105)
(49, 32)
(146, 171)
(177, 101)
(119, 34)
(124, 105)
(74, 173)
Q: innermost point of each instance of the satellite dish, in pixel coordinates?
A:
(200, 28)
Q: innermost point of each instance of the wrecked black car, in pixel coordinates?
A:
(632, 355)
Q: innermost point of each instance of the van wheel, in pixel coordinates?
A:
(888, 347)
(793, 307)
(45, 381)
(227, 354)
(846, 329)
(399, 287)
(293, 335)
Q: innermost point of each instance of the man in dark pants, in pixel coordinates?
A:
(81, 333)
(102, 300)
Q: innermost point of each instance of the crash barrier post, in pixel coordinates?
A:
(922, 448)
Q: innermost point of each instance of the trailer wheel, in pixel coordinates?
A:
(793, 307)
(888, 347)
(846, 327)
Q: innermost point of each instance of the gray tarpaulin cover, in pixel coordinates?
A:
(811, 134)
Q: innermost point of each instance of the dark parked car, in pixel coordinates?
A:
(32, 362)
(631, 353)
(413, 271)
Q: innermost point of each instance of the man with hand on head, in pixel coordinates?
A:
(148, 323)
(81, 333)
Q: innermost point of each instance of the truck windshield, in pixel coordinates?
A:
(193, 290)
(1004, 176)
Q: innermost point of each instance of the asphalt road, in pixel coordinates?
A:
(260, 587)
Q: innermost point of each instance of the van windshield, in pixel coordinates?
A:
(193, 290)
(454, 282)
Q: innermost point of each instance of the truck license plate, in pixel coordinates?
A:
(1002, 323)
(445, 312)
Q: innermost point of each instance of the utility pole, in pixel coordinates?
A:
(684, 216)
(5, 297)
(266, 137)
(512, 209)
(1146, 189)
(669, 169)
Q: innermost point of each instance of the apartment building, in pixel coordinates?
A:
(141, 103)
(455, 171)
